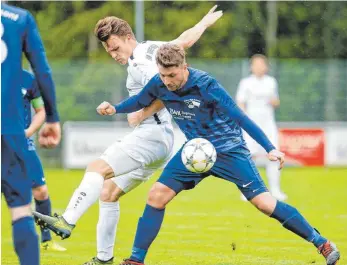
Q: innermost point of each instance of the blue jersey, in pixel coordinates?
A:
(30, 91)
(19, 34)
(201, 108)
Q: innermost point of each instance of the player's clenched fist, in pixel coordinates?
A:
(105, 108)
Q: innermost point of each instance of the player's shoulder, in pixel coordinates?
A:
(14, 14)
(247, 79)
(201, 78)
(199, 75)
(270, 79)
(145, 51)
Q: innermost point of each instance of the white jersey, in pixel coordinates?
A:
(256, 93)
(142, 67)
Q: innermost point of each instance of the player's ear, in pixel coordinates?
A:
(128, 36)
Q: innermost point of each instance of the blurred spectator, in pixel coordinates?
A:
(257, 95)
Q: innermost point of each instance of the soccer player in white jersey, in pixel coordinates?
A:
(130, 162)
(257, 95)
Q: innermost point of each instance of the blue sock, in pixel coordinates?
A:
(147, 229)
(292, 220)
(44, 207)
(26, 241)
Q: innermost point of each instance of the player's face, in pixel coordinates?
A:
(119, 48)
(173, 77)
(259, 67)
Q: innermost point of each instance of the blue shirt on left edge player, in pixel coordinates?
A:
(201, 108)
(19, 21)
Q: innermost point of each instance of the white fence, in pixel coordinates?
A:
(85, 141)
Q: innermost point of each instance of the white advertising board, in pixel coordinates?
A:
(336, 146)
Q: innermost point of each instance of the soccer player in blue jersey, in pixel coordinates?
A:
(217, 119)
(32, 98)
(19, 34)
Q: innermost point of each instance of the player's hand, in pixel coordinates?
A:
(211, 17)
(27, 133)
(276, 155)
(105, 108)
(135, 118)
(50, 135)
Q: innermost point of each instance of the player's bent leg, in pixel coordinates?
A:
(292, 220)
(160, 195)
(89, 190)
(264, 202)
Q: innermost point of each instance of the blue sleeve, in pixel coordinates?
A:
(35, 52)
(222, 100)
(139, 101)
(35, 91)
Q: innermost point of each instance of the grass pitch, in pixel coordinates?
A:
(209, 225)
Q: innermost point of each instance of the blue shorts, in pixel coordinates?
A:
(15, 182)
(235, 166)
(35, 169)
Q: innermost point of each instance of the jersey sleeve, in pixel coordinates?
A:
(241, 94)
(35, 52)
(219, 97)
(35, 91)
(143, 99)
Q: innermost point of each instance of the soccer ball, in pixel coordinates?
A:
(198, 155)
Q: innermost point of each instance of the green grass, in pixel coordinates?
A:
(209, 225)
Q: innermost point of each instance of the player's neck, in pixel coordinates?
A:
(185, 79)
(259, 76)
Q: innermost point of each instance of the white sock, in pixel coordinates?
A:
(273, 176)
(84, 196)
(109, 213)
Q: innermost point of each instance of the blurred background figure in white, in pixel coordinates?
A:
(257, 95)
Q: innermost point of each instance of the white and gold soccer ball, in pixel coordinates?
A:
(198, 155)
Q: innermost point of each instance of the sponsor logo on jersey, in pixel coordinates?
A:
(192, 103)
(181, 115)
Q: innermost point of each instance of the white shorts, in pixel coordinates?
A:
(271, 131)
(139, 154)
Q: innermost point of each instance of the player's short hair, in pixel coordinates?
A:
(112, 26)
(169, 55)
(259, 56)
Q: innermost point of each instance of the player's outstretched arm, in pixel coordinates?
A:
(226, 103)
(190, 36)
(136, 118)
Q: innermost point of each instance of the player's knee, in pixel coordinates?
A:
(110, 192)
(40, 193)
(20, 212)
(101, 167)
(109, 196)
(160, 195)
(265, 203)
